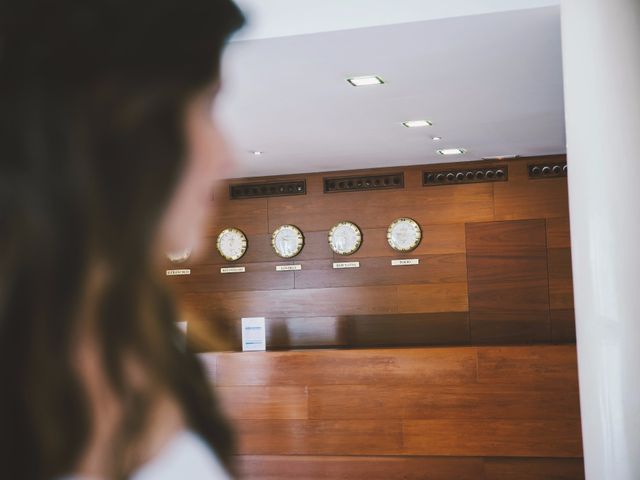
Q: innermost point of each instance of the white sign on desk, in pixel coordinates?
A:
(253, 334)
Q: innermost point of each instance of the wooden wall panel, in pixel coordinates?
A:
(439, 366)
(534, 469)
(502, 287)
(319, 437)
(248, 215)
(520, 402)
(267, 467)
(563, 326)
(529, 365)
(508, 281)
(521, 198)
(264, 402)
(428, 206)
(417, 402)
(494, 269)
(298, 302)
(539, 438)
(558, 235)
(560, 279)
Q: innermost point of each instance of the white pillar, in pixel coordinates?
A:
(601, 56)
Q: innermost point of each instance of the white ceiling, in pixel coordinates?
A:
(490, 82)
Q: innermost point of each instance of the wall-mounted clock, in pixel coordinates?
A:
(179, 257)
(287, 241)
(345, 238)
(404, 234)
(231, 244)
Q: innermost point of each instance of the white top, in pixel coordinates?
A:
(186, 456)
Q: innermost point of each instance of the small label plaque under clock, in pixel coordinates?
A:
(288, 268)
(405, 261)
(338, 265)
(232, 269)
(179, 271)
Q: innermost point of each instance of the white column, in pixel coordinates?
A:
(601, 56)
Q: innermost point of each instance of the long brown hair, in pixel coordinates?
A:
(92, 97)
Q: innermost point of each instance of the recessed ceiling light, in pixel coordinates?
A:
(452, 151)
(436, 139)
(365, 80)
(256, 152)
(501, 157)
(417, 123)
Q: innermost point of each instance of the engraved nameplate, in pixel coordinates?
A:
(287, 268)
(232, 269)
(405, 261)
(179, 271)
(346, 264)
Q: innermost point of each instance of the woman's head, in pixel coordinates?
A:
(108, 153)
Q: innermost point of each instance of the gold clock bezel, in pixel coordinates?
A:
(353, 227)
(235, 231)
(415, 226)
(300, 238)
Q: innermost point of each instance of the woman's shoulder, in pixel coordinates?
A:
(185, 456)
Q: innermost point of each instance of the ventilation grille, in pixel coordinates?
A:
(364, 182)
(434, 178)
(272, 189)
(547, 170)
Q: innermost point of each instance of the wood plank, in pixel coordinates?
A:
(313, 437)
(533, 365)
(563, 326)
(528, 438)
(433, 269)
(440, 328)
(428, 206)
(425, 298)
(278, 467)
(522, 198)
(264, 402)
(505, 238)
(558, 233)
(440, 366)
(298, 302)
(508, 282)
(474, 402)
(249, 215)
(560, 278)
(534, 468)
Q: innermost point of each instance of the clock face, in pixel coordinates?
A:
(231, 244)
(345, 238)
(179, 257)
(404, 234)
(287, 241)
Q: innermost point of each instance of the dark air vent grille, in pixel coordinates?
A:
(272, 189)
(434, 178)
(547, 170)
(363, 182)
